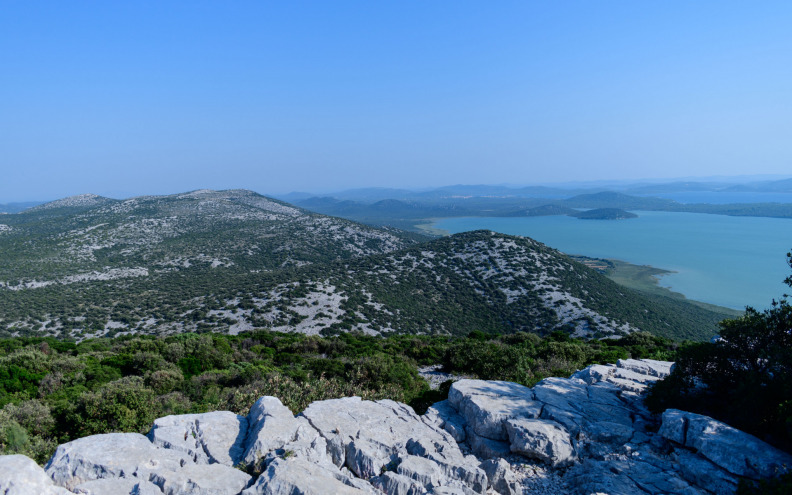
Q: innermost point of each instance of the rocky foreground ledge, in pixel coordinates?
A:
(585, 434)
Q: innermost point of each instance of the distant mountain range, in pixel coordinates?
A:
(235, 260)
(563, 191)
(410, 213)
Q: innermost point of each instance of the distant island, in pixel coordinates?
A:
(542, 211)
(603, 214)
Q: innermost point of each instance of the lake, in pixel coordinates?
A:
(721, 198)
(728, 261)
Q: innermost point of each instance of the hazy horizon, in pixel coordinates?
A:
(161, 97)
(594, 184)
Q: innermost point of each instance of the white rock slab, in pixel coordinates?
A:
(195, 479)
(20, 475)
(214, 437)
(112, 455)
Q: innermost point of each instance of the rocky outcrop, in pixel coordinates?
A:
(585, 434)
(595, 426)
(20, 475)
(735, 451)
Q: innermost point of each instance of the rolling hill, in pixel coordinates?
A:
(234, 260)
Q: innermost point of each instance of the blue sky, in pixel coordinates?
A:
(127, 98)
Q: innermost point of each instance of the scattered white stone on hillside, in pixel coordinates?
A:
(108, 274)
(72, 201)
(114, 325)
(28, 284)
(318, 309)
(5, 228)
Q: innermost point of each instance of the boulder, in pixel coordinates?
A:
(595, 373)
(215, 437)
(733, 450)
(195, 479)
(629, 375)
(486, 405)
(650, 367)
(271, 426)
(297, 476)
(575, 398)
(455, 467)
(541, 439)
(591, 432)
(112, 455)
(674, 426)
(20, 475)
(378, 435)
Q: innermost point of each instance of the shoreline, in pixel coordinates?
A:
(642, 278)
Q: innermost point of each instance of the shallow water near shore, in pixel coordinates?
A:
(727, 261)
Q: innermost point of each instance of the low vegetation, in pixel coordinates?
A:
(210, 261)
(54, 391)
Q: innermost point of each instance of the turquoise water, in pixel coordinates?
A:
(720, 198)
(729, 261)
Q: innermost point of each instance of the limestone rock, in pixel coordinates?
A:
(297, 476)
(443, 415)
(366, 458)
(20, 475)
(630, 375)
(397, 484)
(500, 476)
(627, 476)
(420, 469)
(112, 455)
(541, 439)
(700, 472)
(195, 479)
(610, 432)
(595, 373)
(381, 434)
(486, 405)
(118, 486)
(215, 437)
(585, 434)
(271, 426)
(733, 450)
(485, 447)
(589, 403)
(674, 426)
(651, 367)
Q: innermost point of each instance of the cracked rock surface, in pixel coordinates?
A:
(586, 434)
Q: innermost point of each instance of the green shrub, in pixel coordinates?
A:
(125, 405)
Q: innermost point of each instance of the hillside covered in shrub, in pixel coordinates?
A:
(53, 391)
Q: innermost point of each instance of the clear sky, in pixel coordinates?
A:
(150, 97)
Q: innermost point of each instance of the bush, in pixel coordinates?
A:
(125, 405)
